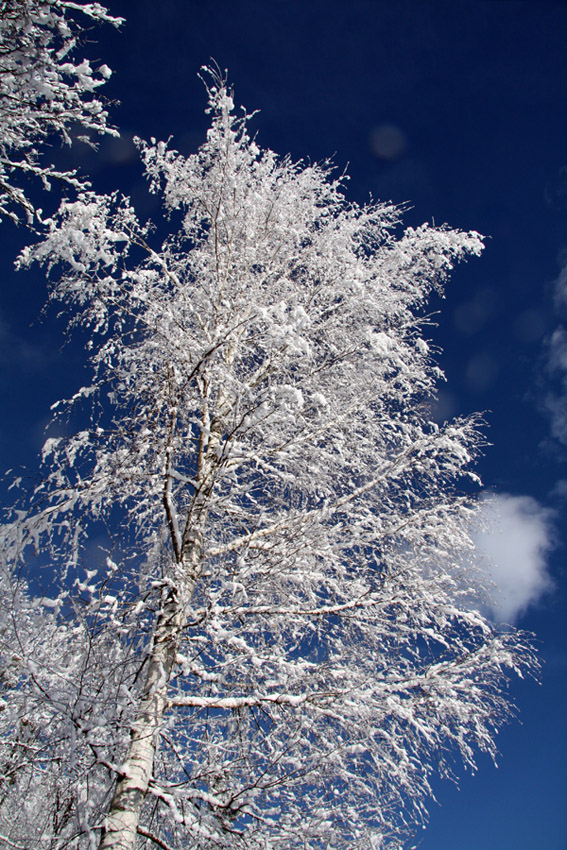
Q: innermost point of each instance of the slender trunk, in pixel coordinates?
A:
(123, 818)
(121, 827)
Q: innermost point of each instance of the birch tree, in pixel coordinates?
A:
(46, 93)
(255, 543)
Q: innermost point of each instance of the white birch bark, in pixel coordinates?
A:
(121, 827)
(123, 819)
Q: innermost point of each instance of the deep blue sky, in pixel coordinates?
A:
(458, 107)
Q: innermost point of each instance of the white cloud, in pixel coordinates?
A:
(516, 537)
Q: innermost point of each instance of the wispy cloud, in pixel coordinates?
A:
(554, 401)
(516, 536)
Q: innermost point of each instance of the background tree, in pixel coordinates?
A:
(45, 92)
(54, 672)
(279, 643)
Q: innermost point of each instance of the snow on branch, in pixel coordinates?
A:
(45, 92)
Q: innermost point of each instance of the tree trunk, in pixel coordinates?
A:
(122, 820)
(121, 826)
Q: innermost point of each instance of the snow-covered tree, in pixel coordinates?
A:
(49, 670)
(45, 93)
(263, 630)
